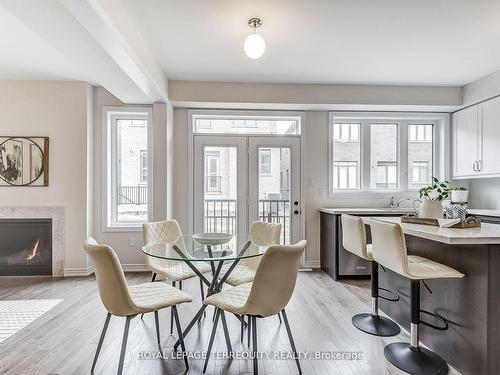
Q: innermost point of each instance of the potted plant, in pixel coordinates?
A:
(431, 197)
(459, 194)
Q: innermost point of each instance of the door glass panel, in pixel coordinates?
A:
(274, 186)
(220, 184)
(383, 155)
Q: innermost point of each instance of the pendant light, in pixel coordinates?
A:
(254, 43)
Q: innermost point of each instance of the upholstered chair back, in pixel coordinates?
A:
(110, 279)
(275, 279)
(389, 246)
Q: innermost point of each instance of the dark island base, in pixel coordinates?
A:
(471, 305)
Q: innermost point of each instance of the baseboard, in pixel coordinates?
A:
(140, 267)
(78, 272)
(312, 264)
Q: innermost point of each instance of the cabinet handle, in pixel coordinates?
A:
(479, 165)
(474, 166)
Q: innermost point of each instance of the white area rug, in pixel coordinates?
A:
(17, 314)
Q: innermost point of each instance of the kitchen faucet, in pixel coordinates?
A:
(396, 204)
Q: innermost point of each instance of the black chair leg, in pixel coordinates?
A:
(226, 332)
(101, 340)
(180, 285)
(212, 336)
(154, 277)
(249, 328)
(172, 315)
(202, 292)
(157, 323)
(292, 343)
(241, 325)
(181, 337)
(254, 339)
(124, 345)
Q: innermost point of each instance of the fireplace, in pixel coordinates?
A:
(25, 247)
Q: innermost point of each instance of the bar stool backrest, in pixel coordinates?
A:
(354, 235)
(389, 246)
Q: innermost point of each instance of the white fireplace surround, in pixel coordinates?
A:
(55, 213)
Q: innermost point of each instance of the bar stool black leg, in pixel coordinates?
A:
(410, 357)
(373, 323)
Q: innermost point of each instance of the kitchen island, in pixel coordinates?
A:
(471, 305)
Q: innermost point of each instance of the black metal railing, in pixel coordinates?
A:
(132, 194)
(220, 215)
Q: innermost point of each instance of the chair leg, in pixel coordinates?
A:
(181, 337)
(241, 325)
(202, 291)
(157, 323)
(292, 343)
(154, 277)
(172, 315)
(226, 332)
(212, 336)
(124, 345)
(101, 340)
(180, 285)
(249, 328)
(254, 351)
(279, 317)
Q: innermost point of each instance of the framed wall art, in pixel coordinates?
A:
(24, 161)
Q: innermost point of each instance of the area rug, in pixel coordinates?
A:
(17, 314)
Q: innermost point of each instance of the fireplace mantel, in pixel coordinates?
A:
(56, 213)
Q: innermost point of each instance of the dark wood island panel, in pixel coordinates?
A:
(471, 305)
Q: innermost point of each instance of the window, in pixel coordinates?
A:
(265, 161)
(386, 175)
(252, 124)
(383, 156)
(380, 151)
(345, 174)
(346, 155)
(420, 172)
(420, 133)
(212, 168)
(127, 164)
(144, 166)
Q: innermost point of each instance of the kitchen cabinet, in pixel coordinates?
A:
(476, 140)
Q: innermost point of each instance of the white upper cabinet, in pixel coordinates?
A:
(476, 140)
(489, 162)
(465, 142)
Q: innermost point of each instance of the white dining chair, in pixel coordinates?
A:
(119, 299)
(266, 296)
(261, 234)
(169, 232)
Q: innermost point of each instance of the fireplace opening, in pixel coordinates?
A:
(25, 247)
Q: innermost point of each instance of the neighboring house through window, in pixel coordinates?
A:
(212, 166)
(265, 161)
(345, 174)
(386, 175)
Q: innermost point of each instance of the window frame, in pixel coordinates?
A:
(110, 115)
(440, 148)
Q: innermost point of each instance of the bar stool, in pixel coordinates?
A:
(354, 241)
(389, 250)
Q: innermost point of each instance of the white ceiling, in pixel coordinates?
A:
(425, 42)
(24, 55)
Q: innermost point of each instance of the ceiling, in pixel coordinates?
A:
(425, 42)
(25, 55)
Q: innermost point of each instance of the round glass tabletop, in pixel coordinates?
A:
(189, 248)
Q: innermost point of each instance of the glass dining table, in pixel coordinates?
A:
(216, 251)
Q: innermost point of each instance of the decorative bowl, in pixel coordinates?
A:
(212, 239)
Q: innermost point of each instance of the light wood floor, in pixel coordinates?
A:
(63, 341)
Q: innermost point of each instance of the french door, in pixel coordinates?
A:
(242, 179)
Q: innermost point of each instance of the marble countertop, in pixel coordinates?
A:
(366, 211)
(486, 234)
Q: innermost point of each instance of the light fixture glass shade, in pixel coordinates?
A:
(254, 46)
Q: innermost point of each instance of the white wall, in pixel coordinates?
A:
(314, 178)
(59, 111)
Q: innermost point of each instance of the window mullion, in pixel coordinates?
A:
(403, 155)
